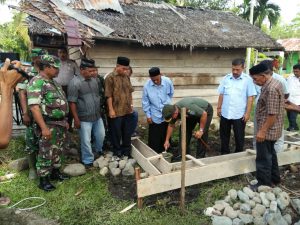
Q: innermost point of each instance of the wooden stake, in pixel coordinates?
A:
(183, 153)
(137, 178)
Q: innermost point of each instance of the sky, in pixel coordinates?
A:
(289, 9)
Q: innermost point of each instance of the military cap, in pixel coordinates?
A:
(154, 71)
(260, 68)
(50, 60)
(124, 61)
(35, 52)
(168, 111)
(88, 63)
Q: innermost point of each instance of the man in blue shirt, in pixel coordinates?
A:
(236, 93)
(157, 92)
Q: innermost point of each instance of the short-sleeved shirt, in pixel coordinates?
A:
(235, 93)
(194, 107)
(67, 70)
(294, 88)
(155, 97)
(271, 102)
(49, 95)
(85, 93)
(119, 88)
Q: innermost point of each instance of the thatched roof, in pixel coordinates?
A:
(155, 24)
(290, 44)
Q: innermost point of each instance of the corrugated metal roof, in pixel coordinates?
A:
(290, 44)
(97, 5)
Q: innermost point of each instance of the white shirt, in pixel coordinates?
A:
(67, 71)
(294, 88)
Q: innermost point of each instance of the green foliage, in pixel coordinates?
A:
(263, 10)
(14, 36)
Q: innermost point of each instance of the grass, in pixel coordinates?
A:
(96, 204)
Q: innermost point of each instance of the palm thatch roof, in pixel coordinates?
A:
(152, 24)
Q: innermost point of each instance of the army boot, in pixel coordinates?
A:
(57, 175)
(32, 170)
(45, 184)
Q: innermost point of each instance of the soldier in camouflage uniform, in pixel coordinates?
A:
(49, 108)
(30, 138)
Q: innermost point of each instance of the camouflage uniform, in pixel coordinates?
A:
(49, 95)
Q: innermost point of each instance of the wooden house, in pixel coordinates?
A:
(194, 47)
(291, 53)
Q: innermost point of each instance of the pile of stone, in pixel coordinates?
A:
(115, 165)
(267, 206)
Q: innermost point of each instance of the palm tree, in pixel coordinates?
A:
(263, 10)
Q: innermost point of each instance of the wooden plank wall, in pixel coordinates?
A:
(194, 73)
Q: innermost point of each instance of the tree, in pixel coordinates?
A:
(262, 10)
(14, 36)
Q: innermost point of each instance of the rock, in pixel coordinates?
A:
(236, 206)
(233, 194)
(263, 188)
(242, 196)
(144, 175)
(288, 218)
(228, 199)
(245, 208)
(122, 164)
(257, 199)
(74, 170)
(277, 191)
(113, 164)
(298, 223)
(270, 196)
(95, 164)
(258, 210)
(253, 182)
(102, 163)
(293, 168)
(237, 221)
(104, 171)
(248, 192)
(273, 206)
(296, 205)
(246, 218)
(283, 200)
(275, 219)
(258, 221)
(19, 164)
(252, 204)
(109, 154)
(210, 211)
(264, 199)
(229, 212)
(221, 220)
(128, 170)
(125, 158)
(132, 161)
(73, 151)
(115, 171)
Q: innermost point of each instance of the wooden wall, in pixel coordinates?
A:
(194, 73)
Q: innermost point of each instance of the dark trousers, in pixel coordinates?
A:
(121, 134)
(267, 171)
(292, 117)
(157, 136)
(70, 117)
(239, 134)
(191, 122)
(134, 121)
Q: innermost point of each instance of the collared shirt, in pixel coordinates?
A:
(119, 88)
(235, 93)
(271, 102)
(280, 79)
(294, 88)
(49, 95)
(67, 71)
(155, 97)
(85, 93)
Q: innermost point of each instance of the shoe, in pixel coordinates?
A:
(57, 175)
(45, 184)
(88, 166)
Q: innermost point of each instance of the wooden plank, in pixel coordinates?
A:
(143, 162)
(196, 161)
(144, 149)
(196, 175)
(162, 165)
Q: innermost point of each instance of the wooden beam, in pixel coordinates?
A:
(213, 171)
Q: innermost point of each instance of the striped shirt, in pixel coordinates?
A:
(271, 102)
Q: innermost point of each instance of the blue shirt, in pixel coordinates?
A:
(235, 93)
(280, 79)
(155, 97)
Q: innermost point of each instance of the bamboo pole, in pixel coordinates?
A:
(137, 178)
(183, 154)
